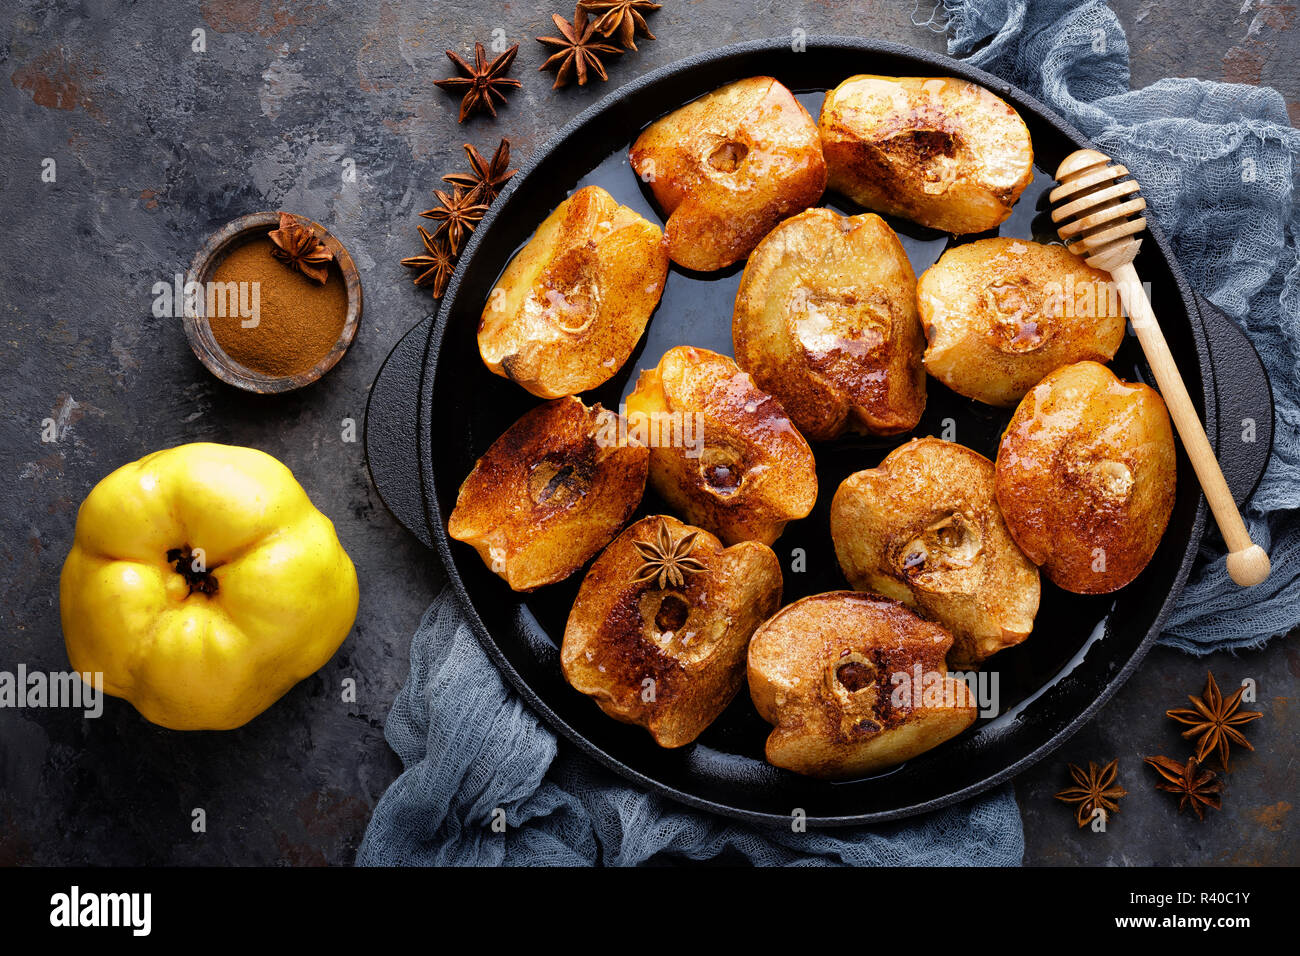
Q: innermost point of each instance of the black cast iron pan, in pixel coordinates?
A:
(435, 408)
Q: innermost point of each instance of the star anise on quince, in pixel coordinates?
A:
(668, 560)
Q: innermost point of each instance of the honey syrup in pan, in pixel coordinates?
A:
(696, 309)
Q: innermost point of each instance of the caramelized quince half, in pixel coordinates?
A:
(658, 633)
(837, 676)
(939, 151)
(550, 493)
(573, 302)
(722, 451)
(1086, 475)
(728, 167)
(999, 314)
(925, 528)
(826, 321)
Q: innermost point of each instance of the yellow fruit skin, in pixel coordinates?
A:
(286, 593)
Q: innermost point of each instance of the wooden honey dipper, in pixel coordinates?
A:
(1096, 209)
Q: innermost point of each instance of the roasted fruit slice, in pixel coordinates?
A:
(826, 321)
(657, 635)
(722, 451)
(942, 152)
(1085, 477)
(728, 167)
(924, 528)
(853, 683)
(571, 305)
(550, 493)
(999, 314)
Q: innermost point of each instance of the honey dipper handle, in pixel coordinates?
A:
(1247, 563)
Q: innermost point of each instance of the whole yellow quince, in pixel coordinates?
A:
(203, 584)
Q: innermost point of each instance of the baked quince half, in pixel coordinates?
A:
(550, 493)
(826, 321)
(999, 314)
(1086, 475)
(722, 451)
(925, 528)
(573, 302)
(939, 151)
(836, 675)
(658, 633)
(728, 167)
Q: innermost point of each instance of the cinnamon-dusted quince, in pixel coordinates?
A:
(728, 167)
(999, 314)
(925, 528)
(747, 470)
(826, 321)
(1086, 472)
(939, 151)
(572, 304)
(853, 683)
(550, 493)
(658, 633)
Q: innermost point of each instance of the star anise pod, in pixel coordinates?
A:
(578, 49)
(436, 265)
(622, 17)
(456, 215)
(482, 82)
(1215, 721)
(490, 176)
(669, 561)
(1196, 788)
(298, 247)
(1096, 790)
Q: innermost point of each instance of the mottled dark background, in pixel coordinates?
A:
(156, 146)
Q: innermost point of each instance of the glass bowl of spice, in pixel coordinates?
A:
(272, 301)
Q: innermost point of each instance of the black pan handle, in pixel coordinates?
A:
(1244, 398)
(391, 431)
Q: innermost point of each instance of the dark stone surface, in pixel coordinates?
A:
(1255, 826)
(156, 145)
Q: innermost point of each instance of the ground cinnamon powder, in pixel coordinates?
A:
(299, 319)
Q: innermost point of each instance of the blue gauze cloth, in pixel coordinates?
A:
(470, 746)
